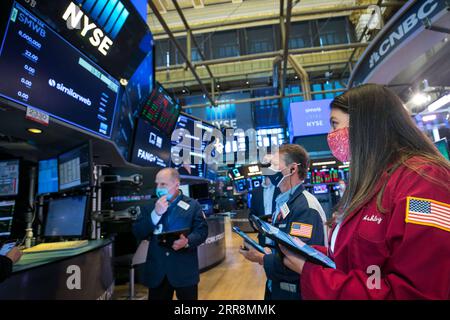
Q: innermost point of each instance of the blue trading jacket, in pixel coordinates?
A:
(304, 211)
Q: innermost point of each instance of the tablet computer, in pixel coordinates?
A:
(249, 240)
(168, 238)
(294, 244)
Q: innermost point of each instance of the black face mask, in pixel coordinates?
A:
(275, 176)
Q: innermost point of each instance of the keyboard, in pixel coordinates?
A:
(55, 246)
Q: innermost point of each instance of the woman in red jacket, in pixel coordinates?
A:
(391, 239)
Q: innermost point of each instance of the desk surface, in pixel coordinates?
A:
(32, 260)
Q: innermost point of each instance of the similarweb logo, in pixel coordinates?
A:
(69, 91)
(109, 17)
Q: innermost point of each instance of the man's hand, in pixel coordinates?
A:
(292, 260)
(14, 254)
(161, 206)
(253, 255)
(180, 243)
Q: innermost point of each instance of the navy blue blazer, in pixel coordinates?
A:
(181, 267)
(304, 211)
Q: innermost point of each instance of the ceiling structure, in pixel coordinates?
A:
(193, 17)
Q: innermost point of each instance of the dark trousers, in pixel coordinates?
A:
(165, 292)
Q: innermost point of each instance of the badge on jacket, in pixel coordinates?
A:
(303, 230)
(183, 205)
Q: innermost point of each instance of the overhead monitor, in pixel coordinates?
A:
(66, 217)
(75, 167)
(48, 176)
(151, 147)
(9, 177)
(6, 217)
(161, 110)
(309, 118)
(42, 70)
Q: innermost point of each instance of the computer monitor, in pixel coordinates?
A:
(320, 189)
(66, 217)
(9, 178)
(161, 110)
(207, 206)
(199, 191)
(75, 167)
(151, 148)
(185, 189)
(6, 218)
(240, 185)
(442, 146)
(48, 176)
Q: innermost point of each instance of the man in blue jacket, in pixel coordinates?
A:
(174, 268)
(297, 212)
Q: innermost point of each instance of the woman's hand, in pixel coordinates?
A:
(292, 260)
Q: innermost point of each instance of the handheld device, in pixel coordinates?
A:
(249, 240)
(7, 247)
(294, 244)
(168, 238)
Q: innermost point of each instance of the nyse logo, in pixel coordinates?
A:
(100, 21)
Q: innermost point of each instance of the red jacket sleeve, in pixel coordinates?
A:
(322, 249)
(418, 265)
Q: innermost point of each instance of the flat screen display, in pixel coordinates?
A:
(66, 217)
(310, 118)
(199, 191)
(48, 176)
(6, 217)
(9, 177)
(185, 189)
(207, 206)
(151, 147)
(443, 148)
(320, 189)
(161, 111)
(75, 168)
(40, 69)
(240, 185)
(194, 135)
(137, 90)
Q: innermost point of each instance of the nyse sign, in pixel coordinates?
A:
(310, 117)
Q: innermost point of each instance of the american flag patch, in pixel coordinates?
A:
(428, 212)
(301, 230)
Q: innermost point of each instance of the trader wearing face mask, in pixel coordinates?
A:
(174, 268)
(297, 212)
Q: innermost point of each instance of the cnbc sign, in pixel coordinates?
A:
(99, 21)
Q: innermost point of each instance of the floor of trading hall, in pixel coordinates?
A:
(233, 279)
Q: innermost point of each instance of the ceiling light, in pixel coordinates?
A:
(34, 130)
(420, 99)
(430, 117)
